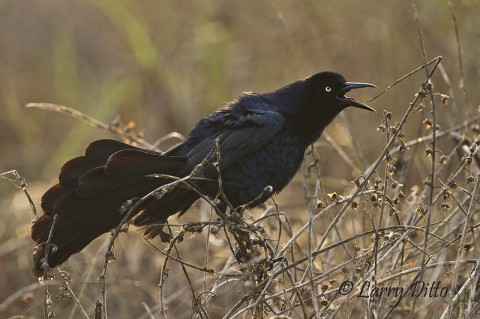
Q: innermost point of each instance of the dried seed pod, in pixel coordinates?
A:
(354, 205)
(443, 159)
(427, 122)
(470, 179)
(444, 98)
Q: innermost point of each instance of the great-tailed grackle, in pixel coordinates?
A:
(262, 139)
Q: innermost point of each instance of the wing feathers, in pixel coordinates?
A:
(137, 162)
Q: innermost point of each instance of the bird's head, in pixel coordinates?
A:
(309, 105)
(312, 103)
(329, 91)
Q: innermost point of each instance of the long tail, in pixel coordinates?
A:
(91, 191)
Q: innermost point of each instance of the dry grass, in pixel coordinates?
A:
(410, 214)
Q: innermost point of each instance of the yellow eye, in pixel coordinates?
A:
(328, 89)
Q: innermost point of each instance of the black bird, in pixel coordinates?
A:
(262, 139)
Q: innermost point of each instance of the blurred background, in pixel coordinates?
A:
(165, 64)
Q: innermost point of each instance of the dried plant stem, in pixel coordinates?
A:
(48, 312)
(91, 121)
(434, 61)
(428, 90)
(72, 294)
(464, 84)
(461, 253)
(310, 258)
(110, 254)
(21, 183)
(370, 171)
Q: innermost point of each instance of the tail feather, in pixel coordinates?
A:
(41, 225)
(95, 183)
(139, 162)
(171, 203)
(76, 226)
(100, 150)
(96, 154)
(92, 190)
(52, 196)
(73, 169)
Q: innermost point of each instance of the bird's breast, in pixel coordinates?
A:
(275, 164)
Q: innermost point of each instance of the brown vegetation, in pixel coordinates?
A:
(410, 214)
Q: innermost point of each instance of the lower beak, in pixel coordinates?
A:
(348, 101)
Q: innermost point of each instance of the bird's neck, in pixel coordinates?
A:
(303, 117)
(308, 127)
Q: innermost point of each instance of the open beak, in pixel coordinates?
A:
(348, 101)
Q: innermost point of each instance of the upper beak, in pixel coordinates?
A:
(348, 101)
